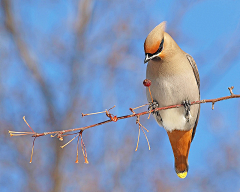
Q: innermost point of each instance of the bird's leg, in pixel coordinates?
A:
(153, 105)
(187, 104)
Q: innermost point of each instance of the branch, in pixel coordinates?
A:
(112, 118)
(31, 63)
(115, 118)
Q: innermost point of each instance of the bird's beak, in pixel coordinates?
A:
(146, 58)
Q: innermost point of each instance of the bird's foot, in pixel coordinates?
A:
(154, 105)
(187, 104)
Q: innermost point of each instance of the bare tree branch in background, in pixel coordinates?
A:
(180, 8)
(225, 63)
(71, 32)
(30, 63)
(84, 14)
(82, 20)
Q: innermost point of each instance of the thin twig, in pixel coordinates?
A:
(68, 142)
(230, 89)
(106, 111)
(146, 138)
(139, 106)
(13, 133)
(142, 127)
(32, 150)
(77, 148)
(150, 93)
(27, 124)
(138, 138)
(112, 118)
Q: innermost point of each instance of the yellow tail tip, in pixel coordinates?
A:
(182, 175)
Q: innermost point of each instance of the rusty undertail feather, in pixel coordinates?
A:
(180, 142)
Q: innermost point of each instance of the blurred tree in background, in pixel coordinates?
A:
(62, 58)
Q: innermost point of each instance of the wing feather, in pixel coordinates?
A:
(195, 71)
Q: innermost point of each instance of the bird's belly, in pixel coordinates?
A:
(174, 119)
(169, 92)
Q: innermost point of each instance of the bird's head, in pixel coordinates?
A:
(154, 43)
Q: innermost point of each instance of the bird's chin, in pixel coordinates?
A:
(156, 59)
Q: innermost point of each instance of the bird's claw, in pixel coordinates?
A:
(152, 106)
(187, 104)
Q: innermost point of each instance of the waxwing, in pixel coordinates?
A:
(174, 80)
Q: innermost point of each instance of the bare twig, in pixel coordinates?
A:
(69, 142)
(77, 148)
(27, 123)
(138, 138)
(32, 149)
(132, 109)
(140, 126)
(230, 89)
(112, 118)
(108, 114)
(84, 150)
(60, 133)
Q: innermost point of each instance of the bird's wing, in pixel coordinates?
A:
(195, 71)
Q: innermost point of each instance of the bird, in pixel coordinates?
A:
(174, 80)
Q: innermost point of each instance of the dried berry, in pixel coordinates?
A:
(147, 82)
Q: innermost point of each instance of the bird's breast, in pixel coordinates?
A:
(171, 89)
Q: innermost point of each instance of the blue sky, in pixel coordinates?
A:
(110, 71)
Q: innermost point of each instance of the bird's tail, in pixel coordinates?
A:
(180, 141)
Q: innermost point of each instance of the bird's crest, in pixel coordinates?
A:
(154, 38)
